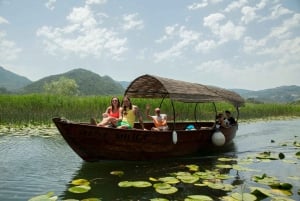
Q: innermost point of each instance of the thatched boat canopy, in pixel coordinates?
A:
(149, 86)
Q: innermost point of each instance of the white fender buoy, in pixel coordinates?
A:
(174, 137)
(218, 138)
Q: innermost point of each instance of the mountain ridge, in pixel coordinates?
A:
(91, 83)
(12, 81)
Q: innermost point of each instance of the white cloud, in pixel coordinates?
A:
(131, 21)
(224, 32)
(202, 4)
(184, 38)
(262, 4)
(284, 30)
(83, 16)
(279, 10)
(279, 43)
(3, 20)
(83, 36)
(235, 5)
(252, 45)
(289, 46)
(205, 46)
(8, 49)
(50, 4)
(249, 14)
(90, 2)
(196, 6)
(170, 31)
(212, 21)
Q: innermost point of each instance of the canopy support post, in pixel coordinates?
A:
(195, 116)
(238, 113)
(215, 108)
(174, 133)
(174, 116)
(162, 101)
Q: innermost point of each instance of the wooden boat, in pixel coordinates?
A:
(93, 143)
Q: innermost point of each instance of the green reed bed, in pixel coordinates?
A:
(40, 109)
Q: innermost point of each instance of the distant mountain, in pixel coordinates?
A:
(124, 84)
(283, 94)
(89, 83)
(11, 81)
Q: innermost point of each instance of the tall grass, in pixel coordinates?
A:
(40, 109)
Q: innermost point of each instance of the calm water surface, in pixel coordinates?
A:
(34, 162)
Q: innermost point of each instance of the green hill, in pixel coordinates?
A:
(282, 94)
(11, 81)
(89, 83)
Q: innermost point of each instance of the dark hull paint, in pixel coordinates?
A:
(93, 143)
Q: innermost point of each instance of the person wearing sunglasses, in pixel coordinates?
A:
(111, 115)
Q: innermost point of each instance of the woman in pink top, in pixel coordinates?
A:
(111, 115)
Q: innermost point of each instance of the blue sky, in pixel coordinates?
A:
(249, 44)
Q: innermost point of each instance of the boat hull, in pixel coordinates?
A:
(93, 143)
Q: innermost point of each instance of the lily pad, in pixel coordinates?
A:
(137, 184)
(117, 173)
(285, 186)
(241, 168)
(281, 199)
(169, 180)
(153, 179)
(223, 176)
(79, 189)
(47, 197)
(193, 168)
(166, 191)
(188, 178)
(79, 182)
(125, 184)
(226, 159)
(265, 179)
(266, 155)
(215, 185)
(159, 199)
(260, 192)
(225, 166)
(243, 196)
(141, 184)
(162, 185)
(198, 198)
(281, 192)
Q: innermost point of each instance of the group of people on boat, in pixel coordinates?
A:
(123, 115)
(226, 120)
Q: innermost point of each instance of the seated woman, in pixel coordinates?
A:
(127, 115)
(111, 115)
(159, 120)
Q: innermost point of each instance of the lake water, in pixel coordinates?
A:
(36, 161)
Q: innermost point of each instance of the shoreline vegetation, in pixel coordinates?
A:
(39, 109)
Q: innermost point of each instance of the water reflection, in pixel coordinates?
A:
(105, 186)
